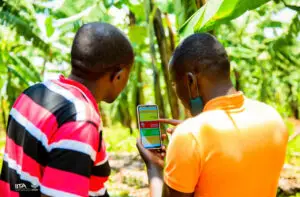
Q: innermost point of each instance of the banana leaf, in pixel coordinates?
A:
(216, 12)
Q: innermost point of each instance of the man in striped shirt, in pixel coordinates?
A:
(54, 144)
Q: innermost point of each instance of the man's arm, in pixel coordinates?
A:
(155, 179)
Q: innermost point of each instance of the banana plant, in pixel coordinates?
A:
(215, 12)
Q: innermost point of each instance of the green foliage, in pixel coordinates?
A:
(118, 138)
(49, 26)
(216, 12)
(22, 27)
(137, 34)
(184, 9)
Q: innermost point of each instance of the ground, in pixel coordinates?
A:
(129, 179)
(128, 176)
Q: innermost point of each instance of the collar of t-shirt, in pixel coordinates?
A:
(81, 87)
(231, 102)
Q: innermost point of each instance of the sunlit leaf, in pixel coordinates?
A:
(18, 75)
(74, 17)
(137, 34)
(49, 27)
(138, 10)
(184, 9)
(69, 8)
(216, 12)
(271, 24)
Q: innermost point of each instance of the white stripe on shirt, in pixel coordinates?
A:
(12, 164)
(75, 146)
(100, 192)
(56, 193)
(79, 105)
(103, 161)
(31, 128)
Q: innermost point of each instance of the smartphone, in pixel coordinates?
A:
(149, 126)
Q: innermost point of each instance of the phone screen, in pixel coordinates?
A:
(149, 126)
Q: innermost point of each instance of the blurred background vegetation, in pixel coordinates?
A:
(263, 45)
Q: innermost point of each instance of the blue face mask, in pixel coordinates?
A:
(196, 105)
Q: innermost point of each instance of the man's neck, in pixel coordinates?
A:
(220, 90)
(90, 85)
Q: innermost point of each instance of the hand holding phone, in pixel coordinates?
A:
(149, 126)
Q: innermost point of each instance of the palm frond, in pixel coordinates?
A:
(22, 27)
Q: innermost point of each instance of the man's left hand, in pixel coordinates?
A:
(152, 158)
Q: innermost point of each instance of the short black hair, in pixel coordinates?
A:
(99, 48)
(200, 53)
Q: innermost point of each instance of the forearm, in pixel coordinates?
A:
(155, 177)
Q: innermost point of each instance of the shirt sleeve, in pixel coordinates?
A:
(183, 161)
(72, 153)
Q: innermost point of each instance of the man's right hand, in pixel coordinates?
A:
(171, 122)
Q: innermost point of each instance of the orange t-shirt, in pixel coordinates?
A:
(235, 148)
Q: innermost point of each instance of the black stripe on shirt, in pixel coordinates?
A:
(71, 161)
(101, 170)
(59, 106)
(31, 146)
(12, 177)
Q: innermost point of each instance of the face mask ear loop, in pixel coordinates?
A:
(196, 103)
(190, 94)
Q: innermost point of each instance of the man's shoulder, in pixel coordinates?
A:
(65, 102)
(194, 125)
(265, 111)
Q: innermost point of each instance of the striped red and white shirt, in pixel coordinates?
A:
(54, 143)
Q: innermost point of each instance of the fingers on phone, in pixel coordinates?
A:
(170, 121)
(163, 136)
(166, 121)
(170, 130)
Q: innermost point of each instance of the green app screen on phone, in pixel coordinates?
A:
(149, 126)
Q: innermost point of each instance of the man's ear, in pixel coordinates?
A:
(191, 79)
(116, 75)
(192, 84)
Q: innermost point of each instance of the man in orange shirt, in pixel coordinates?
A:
(234, 148)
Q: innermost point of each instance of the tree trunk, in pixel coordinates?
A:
(164, 55)
(237, 80)
(4, 122)
(200, 3)
(138, 93)
(125, 116)
(44, 68)
(171, 34)
(293, 103)
(156, 82)
(156, 77)
(132, 20)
